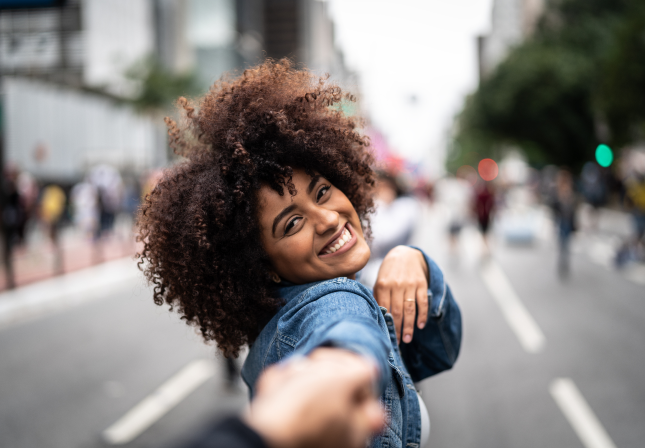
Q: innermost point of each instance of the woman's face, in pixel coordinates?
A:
(314, 235)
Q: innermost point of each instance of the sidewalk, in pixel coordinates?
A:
(64, 291)
(38, 259)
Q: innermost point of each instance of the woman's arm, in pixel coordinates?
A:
(402, 287)
(347, 318)
(435, 345)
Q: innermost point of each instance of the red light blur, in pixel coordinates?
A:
(488, 169)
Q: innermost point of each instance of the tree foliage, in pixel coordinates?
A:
(582, 71)
(158, 88)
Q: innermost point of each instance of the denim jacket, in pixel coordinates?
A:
(343, 313)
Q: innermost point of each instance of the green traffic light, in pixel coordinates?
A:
(604, 155)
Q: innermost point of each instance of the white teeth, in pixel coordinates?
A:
(344, 238)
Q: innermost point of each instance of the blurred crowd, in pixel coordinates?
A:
(519, 191)
(88, 210)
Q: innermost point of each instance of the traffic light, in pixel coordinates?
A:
(604, 155)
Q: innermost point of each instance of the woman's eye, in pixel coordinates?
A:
(291, 224)
(322, 192)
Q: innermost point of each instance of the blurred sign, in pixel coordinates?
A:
(29, 4)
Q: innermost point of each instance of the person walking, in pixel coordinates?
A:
(52, 208)
(484, 206)
(564, 208)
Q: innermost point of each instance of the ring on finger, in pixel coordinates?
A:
(409, 299)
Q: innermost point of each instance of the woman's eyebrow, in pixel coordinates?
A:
(281, 215)
(313, 182)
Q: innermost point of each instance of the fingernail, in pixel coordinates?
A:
(421, 325)
(407, 338)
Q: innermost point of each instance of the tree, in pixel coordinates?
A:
(583, 68)
(158, 87)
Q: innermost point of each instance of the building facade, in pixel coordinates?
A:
(511, 22)
(65, 68)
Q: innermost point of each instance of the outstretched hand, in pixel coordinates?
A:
(326, 400)
(402, 286)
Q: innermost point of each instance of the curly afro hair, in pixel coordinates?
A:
(199, 226)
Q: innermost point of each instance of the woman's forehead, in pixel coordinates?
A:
(271, 200)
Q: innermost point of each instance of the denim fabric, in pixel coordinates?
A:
(343, 313)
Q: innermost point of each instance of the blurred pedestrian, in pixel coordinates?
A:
(29, 191)
(564, 208)
(593, 189)
(131, 195)
(455, 193)
(13, 213)
(52, 207)
(85, 212)
(393, 222)
(484, 207)
(109, 186)
(635, 195)
(11, 217)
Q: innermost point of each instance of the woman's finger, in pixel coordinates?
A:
(382, 295)
(397, 309)
(422, 305)
(409, 309)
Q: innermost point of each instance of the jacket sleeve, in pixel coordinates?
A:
(435, 347)
(347, 320)
(232, 432)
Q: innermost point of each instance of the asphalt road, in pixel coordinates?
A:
(498, 395)
(68, 375)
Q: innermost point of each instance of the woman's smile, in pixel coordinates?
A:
(313, 235)
(340, 243)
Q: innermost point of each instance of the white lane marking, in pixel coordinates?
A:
(580, 415)
(156, 405)
(37, 299)
(518, 318)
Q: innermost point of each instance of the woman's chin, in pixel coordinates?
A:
(353, 264)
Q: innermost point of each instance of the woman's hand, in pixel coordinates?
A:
(326, 400)
(402, 286)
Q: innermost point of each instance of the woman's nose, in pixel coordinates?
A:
(326, 219)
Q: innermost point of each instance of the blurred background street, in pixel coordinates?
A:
(510, 145)
(72, 368)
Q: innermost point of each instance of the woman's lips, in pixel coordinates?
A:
(348, 245)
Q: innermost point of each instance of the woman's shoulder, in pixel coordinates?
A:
(307, 308)
(299, 295)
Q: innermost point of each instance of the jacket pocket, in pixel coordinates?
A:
(285, 346)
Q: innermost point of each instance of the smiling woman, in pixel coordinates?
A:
(200, 224)
(257, 237)
(313, 235)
